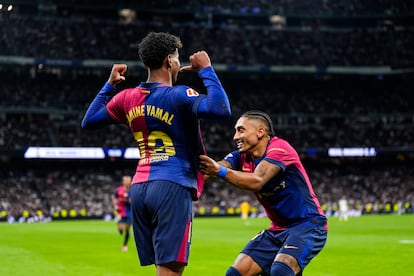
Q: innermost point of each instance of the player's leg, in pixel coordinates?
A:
(142, 224)
(285, 265)
(303, 242)
(170, 269)
(119, 226)
(127, 227)
(244, 265)
(172, 232)
(257, 256)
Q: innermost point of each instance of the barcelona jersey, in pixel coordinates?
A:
(163, 122)
(123, 204)
(288, 198)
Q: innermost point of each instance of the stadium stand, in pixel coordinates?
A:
(343, 72)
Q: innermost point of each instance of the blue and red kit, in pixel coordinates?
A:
(123, 207)
(164, 121)
(288, 198)
(298, 224)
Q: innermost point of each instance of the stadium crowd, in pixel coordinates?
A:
(86, 192)
(83, 38)
(42, 105)
(340, 112)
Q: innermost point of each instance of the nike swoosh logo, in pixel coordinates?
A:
(290, 247)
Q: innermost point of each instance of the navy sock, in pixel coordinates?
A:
(126, 237)
(232, 272)
(281, 269)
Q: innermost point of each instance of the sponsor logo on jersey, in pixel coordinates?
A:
(191, 92)
(290, 247)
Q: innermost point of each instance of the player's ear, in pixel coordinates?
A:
(169, 61)
(261, 132)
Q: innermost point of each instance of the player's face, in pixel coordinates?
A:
(175, 65)
(126, 182)
(247, 134)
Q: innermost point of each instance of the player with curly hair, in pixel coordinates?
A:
(163, 119)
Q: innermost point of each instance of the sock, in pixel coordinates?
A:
(232, 272)
(126, 237)
(281, 269)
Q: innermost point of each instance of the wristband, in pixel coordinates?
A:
(222, 172)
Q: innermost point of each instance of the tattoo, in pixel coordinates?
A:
(289, 260)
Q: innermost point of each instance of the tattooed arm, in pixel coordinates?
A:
(244, 180)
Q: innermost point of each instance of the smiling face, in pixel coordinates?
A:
(249, 136)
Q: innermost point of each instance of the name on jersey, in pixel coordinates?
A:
(151, 111)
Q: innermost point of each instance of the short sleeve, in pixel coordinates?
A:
(234, 159)
(280, 153)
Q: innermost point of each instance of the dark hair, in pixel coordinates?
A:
(155, 47)
(257, 114)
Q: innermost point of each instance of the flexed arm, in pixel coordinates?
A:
(216, 104)
(97, 116)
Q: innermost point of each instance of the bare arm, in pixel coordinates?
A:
(244, 180)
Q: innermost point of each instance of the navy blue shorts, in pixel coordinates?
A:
(302, 241)
(162, 217)
(125, 220)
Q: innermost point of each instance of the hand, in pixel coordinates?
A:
(208, 166)
(198, 61)
(117, 74)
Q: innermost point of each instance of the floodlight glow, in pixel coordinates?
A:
(9, 8)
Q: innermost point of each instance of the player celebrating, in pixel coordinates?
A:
(164, 122)
(271, 168)
(122, 206)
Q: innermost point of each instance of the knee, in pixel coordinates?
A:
(232, 272)
(281, 269)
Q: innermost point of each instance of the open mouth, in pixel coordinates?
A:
(239, 144)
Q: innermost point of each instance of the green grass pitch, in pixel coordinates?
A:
(367, 245)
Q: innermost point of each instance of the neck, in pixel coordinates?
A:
(259, 150)
(160, 75)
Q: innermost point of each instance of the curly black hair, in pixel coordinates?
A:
(156, 46)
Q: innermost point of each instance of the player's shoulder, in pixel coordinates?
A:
(279, 144)
(184, 90)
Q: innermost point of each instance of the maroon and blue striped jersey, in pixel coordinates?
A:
(288, 198)
(123, 204)
(165, 128)
(164, 121)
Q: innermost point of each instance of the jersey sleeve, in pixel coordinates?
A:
(116, 108)
(97, 116)
(216, 104)
(280, 153)
(234, 159)
(187, 99)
